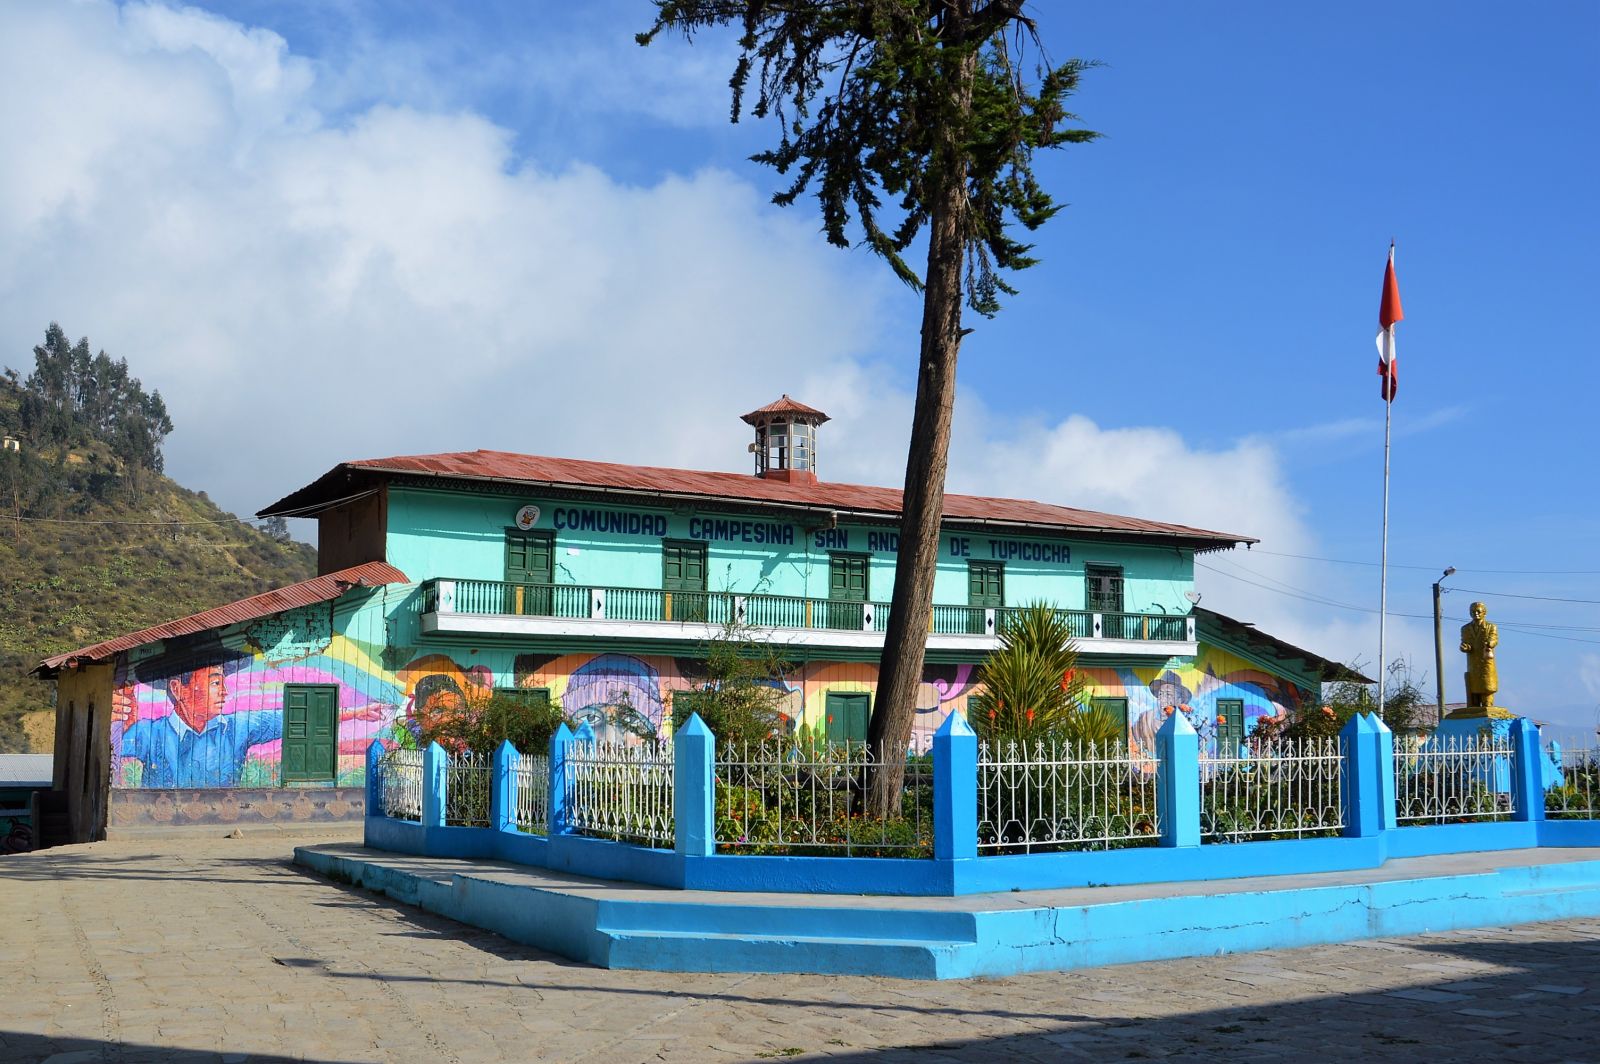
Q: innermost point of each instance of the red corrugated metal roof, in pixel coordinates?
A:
(784, 406)
(304, 593)
(577, 474)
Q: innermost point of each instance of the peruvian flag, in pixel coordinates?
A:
(1389, 312)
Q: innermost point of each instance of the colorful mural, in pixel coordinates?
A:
(208, 711)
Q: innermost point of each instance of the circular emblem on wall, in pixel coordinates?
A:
(527, 517)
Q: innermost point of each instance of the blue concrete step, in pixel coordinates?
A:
(680, 951)
(619, 926)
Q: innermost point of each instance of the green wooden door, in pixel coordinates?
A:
(310, 732)
(530, 570)
(1230, 726)
(1118, 708)
(847, 590)
(683, 577)
(847, 717)
(986, 589)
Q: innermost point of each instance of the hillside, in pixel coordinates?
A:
(95, 541)
(115, 567)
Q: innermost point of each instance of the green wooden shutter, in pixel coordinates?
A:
(683, 573)
(531, 567)
(847, 717)
(310, 732)
(848, 587)
(1230, 726)
(985, 590)
(1118, 708)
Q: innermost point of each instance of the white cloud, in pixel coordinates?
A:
(306, 288)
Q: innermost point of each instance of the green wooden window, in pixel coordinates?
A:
(683, 577)
(533, 697)
(530, 570)
(1118, 708)
(310, 732)
(847, 717)
(848, 588)
(1103, 588)
(986, 589)
(1230, 726)
(986, 584)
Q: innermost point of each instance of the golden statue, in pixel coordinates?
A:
(1479, 637)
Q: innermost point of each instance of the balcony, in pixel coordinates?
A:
(494, 607)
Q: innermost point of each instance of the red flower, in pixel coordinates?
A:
(1066, 679)
(991, 714)
(1030, 716)
(1221, 719)
(1166, 711)
(1187, 709)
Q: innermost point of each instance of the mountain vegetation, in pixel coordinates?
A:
(95, 541)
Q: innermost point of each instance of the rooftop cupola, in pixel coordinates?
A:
(786, 440)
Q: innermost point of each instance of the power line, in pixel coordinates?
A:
(1522, 628)
(1427, 568)
(1541, 598)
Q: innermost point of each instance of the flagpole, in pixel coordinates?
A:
(1383, 556)
(1389, 313)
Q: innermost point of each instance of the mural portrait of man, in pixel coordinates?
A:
(197, 744)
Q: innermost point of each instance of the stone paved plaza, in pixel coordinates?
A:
(198, 949)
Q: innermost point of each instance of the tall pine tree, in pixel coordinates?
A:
(932, 106)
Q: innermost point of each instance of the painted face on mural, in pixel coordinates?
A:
(198, 696)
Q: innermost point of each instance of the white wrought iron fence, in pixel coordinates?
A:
(1060, 796)
(621, 791)
(400, 784)
(1451, 778)
(1577, 795)
(468, 779)
(1287, 788)
(785, 796)
(530, 775)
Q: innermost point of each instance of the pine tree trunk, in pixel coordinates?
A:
(906, 641)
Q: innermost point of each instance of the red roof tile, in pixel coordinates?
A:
(304, 593)
(577, 474)
(784, 406)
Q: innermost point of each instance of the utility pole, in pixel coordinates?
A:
(1438, 639)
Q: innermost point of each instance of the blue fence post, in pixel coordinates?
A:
(556, 803)
(433, 784)
(694, 795)
(375, 778)
(955, 789)
(1527, 771)
(1359, 792)
(584, 734)
(1383, 743)
(1178, 781)
(503, 787)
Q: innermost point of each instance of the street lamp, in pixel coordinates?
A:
(1438, 640)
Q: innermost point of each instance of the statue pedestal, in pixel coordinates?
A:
(1475, 724)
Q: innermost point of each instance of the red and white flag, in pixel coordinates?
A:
(1389, 312)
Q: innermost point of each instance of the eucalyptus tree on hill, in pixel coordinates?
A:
(908, 120)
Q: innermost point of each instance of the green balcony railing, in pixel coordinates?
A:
(503, 598)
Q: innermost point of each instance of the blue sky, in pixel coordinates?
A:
(295, 202)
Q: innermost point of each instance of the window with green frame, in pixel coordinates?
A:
(1230, 726)
(533, 697)
(1103, 588)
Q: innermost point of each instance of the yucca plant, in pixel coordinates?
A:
(1032, 689)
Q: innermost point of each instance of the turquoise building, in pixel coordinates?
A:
(445, 577)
